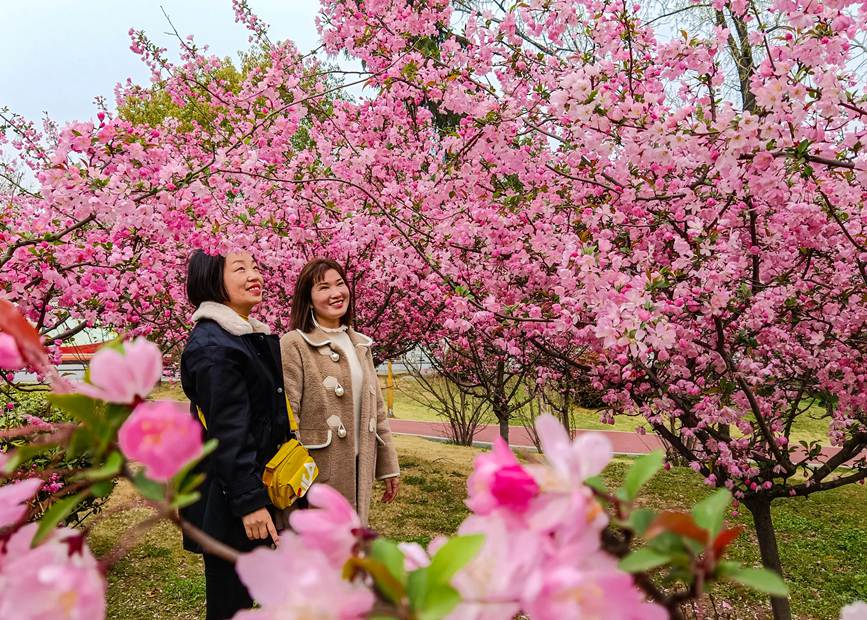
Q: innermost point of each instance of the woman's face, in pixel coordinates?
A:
(243, 282)
(330, 298)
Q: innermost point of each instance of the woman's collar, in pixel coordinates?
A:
(228, 319)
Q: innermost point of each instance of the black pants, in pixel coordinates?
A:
(225, 594)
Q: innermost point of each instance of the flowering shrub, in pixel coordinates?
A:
(578, 186)
(546, 539)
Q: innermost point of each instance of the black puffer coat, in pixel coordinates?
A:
(237, 381)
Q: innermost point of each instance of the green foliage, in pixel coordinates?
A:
(644, 468)
(683, 542)
(759, 579)
(823, 539)
(151, 106)
(29, 459)
(430, 592)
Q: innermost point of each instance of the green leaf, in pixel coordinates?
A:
(640, 520)
(760, 579)
(80, 442)
(24, 453)
(148, 488)
(439, 603)
(428, 589)
(710, 512)
(109, 469)
(642, 470)
(643, 559)
(58, 511)
(387, 584)
(387, 552)
(185, 499)
(192, 483)
(417, 586)
(597, 484)
(102, 489)
(81, 407)
(453, 556)
(178, 480)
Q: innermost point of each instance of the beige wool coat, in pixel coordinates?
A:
(318, 385)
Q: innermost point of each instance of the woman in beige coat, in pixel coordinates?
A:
(331, 384)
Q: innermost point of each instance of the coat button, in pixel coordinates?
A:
(335, 356)
(339, 391)
(279, 390)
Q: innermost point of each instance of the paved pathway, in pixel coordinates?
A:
(623, 443)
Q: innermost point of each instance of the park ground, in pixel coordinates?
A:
(823, 538)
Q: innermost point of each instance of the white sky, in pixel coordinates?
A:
(57, 55)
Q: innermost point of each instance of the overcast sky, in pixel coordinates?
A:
(57, 55)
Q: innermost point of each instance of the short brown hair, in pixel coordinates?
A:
(302, 301)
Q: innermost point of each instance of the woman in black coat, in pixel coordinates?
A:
(231, 372)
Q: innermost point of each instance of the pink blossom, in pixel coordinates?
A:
(499, 481)
(162, 436)
(14, 498)
(297, 581)
(415, 556)
(493, 579)
(564, 591)
(570, 462)
(124, 376)
(564, 494)
(10, 357)
(854, 611)
(57, 580)
(330, 526)
(763, 160)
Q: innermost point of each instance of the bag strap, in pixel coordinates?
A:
(293, 422)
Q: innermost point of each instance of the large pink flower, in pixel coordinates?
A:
(566, 591)
(123, 377)
(499, 481)
(330, 525)
(492, 581)
(13, 497)
(10, 356)
(566, 507)
(58, 580)
(295, 581)
(161, 435)
(572, 461)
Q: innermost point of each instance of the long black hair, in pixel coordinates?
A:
(302, 301)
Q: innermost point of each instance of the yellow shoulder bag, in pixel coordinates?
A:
(290, 472)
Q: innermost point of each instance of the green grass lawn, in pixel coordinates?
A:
(823, 538)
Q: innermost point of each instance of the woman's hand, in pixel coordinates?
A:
(391, 487)
(259, 526)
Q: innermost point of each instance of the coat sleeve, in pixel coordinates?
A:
(293, 374)
(222, 395)
(386, 455)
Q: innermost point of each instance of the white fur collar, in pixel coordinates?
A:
(228, 319)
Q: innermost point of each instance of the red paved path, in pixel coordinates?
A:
(622, 442)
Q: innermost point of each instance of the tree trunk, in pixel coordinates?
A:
(504, 427)
(761, 511)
